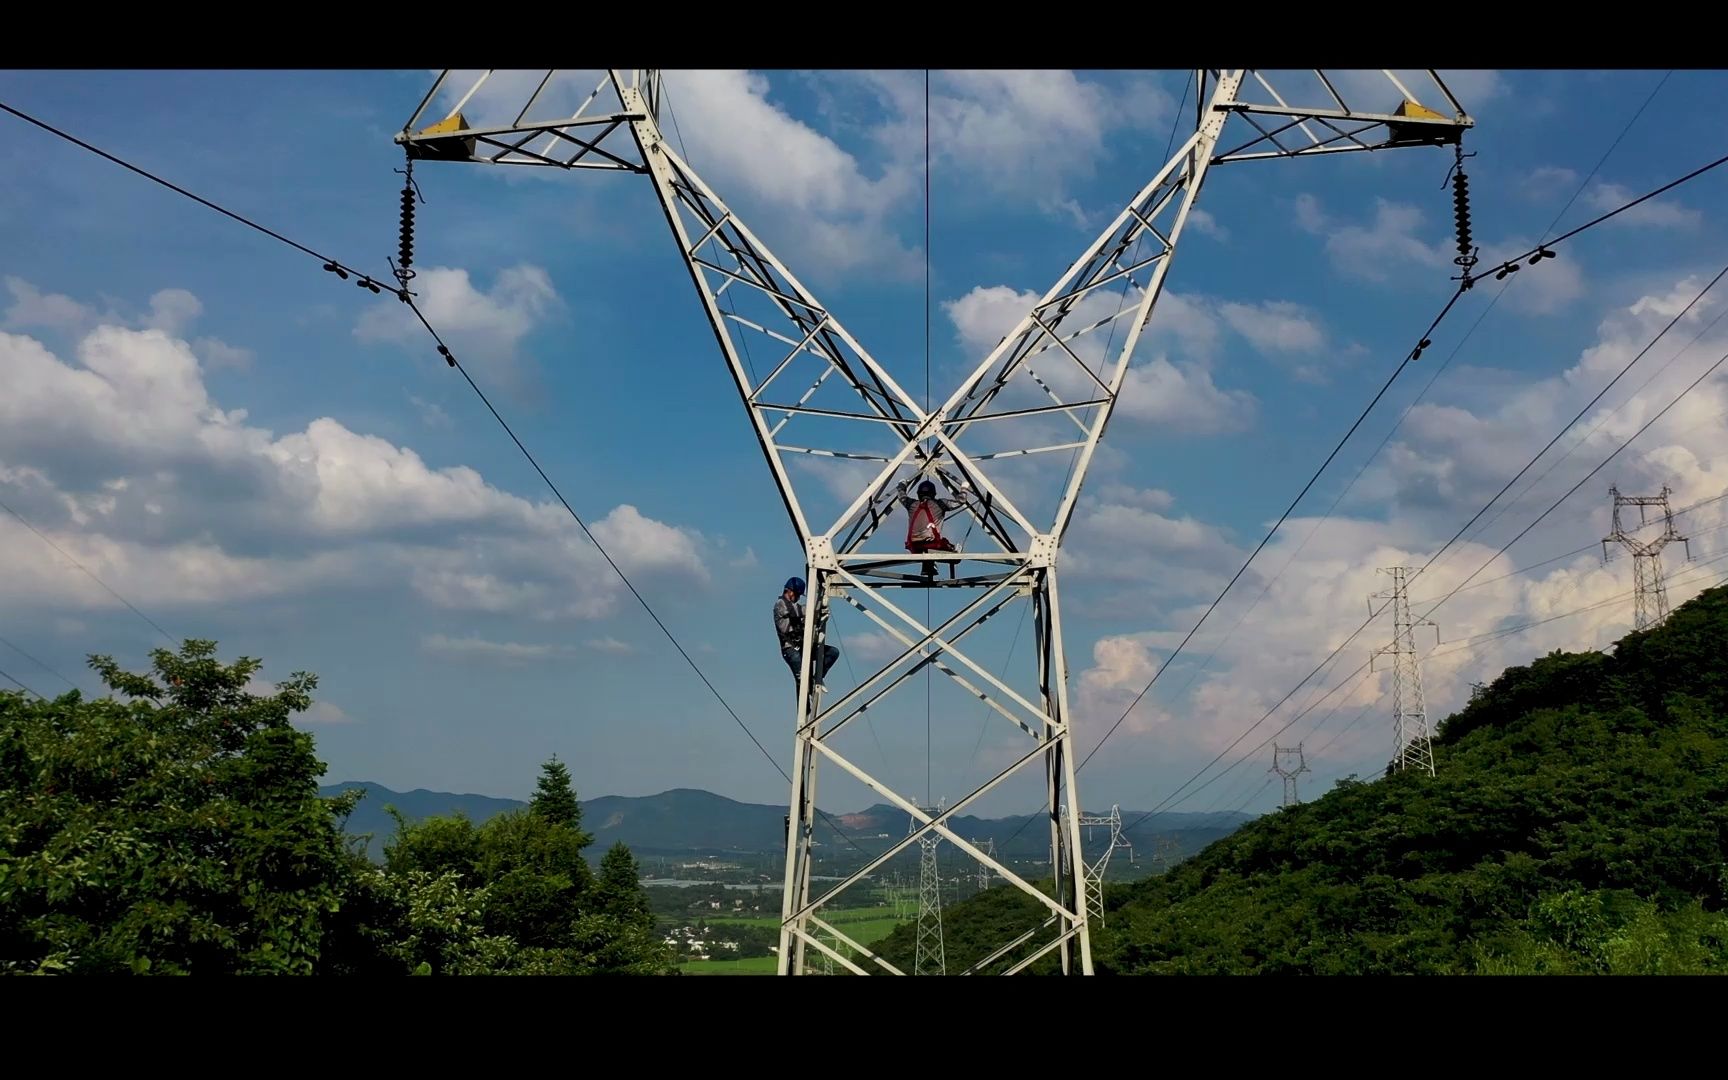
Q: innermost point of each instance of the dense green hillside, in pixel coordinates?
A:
(1578, 822)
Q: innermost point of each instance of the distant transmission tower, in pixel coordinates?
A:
(1409, 712)
(1095, 870)
(930, 958)
(1650, 594)
(1280, 755)
(988, 847)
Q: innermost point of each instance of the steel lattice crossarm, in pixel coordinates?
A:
(844, 441)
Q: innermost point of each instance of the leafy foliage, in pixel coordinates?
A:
(180, 831)
(532, 904)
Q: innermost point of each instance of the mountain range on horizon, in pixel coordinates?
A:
(688, 821)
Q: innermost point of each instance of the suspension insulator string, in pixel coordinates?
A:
(1467, 250)
(404, 262)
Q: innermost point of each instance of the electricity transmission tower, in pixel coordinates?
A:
(1095, 869)
(988, 847)
(1409, 711)
(1650, 594)
(820, 399)
(1279, 755)
(930, 958)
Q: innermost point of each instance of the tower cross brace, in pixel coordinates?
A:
(819, 396)
(1649, 591)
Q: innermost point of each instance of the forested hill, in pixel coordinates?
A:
(1578, 822)
(690, 821)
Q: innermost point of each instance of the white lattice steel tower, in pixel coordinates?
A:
(988, 847)
(1280, 755)
(930, 957)
(819, 396)
(1096, 869)
(1409, 711)
(1650, 594)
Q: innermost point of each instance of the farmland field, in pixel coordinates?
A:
(865, 925)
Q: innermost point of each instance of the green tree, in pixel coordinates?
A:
(436, 845)
(521, 890)
(537, 877)
(178, 831)
(620, 893)
(555, 798)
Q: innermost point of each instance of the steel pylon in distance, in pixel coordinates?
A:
(1413, 748)
(930, 957)
(840, 435)
(1280, 755)
(1097, 868)
(1649, 591)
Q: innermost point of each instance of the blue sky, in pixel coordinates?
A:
(250, 450)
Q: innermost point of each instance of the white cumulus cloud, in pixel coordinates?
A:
(120, 454)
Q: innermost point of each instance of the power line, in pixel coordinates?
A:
(367, 282)
(1652, 377)
(1168, 801)
(88, 571)
(1542, 251)
(1373, 615)
(1606, 154)
(19, 685)
(1495, 635)
(450, 358)
(1478, 640)
(1387, 385)
(1432, 379)
(1592, 547)
(38, 663)
(1709, 371)
(1511, 264)
(341, 269)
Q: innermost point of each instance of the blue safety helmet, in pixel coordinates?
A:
(796, 585)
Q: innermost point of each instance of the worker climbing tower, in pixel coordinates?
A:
(844, 441)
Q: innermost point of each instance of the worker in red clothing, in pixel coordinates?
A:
(924, 522)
